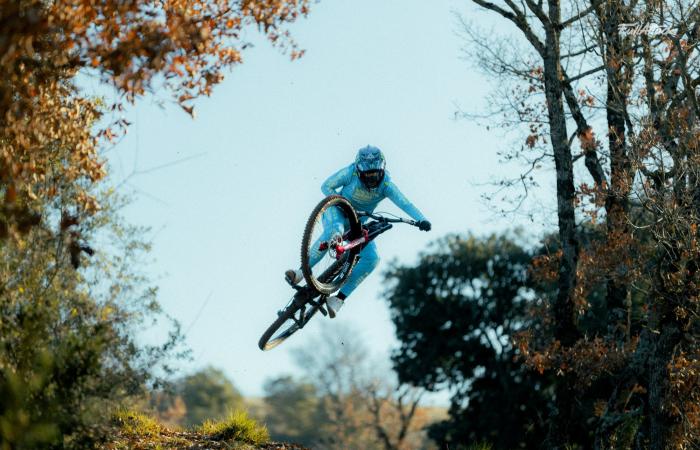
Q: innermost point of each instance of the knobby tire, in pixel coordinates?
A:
(331, 283)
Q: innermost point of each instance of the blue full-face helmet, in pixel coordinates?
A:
(370, 164)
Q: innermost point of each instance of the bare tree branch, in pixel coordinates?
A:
(586, 73)
(518, 19)
(580, 52)
(578, 16)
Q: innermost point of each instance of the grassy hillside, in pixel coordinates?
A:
(135, 431)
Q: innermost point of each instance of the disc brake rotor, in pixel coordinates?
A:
(333, 242)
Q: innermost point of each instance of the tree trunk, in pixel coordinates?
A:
(616, 203)
(565, 329)
(660, 421)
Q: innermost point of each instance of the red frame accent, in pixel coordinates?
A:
(340, 249)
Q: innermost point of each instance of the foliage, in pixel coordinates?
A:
(207, 394)
(631, 99)
(481, 446)
(236, 427)
(18, 428)
(132, 422)
(71, 297)
(344, 401)
(47, 140)
(336, 363)
(166, 405)
(455, 314)
(293, 410)
(68, 338)
(136, 431)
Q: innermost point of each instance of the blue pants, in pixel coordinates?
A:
(368, 256)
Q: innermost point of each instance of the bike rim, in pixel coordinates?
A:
(323, 242)
(276, 340)
(291, 325)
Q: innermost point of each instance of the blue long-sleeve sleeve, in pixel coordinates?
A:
(337, 180)
(394, 194)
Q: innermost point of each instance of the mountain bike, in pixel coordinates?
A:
(333, 238)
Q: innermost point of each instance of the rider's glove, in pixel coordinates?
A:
(424, 225)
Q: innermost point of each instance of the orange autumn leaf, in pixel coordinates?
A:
(587, 139)
(130, 46)
(10, 194)
(531, 140)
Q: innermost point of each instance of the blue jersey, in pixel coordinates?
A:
(363, 199)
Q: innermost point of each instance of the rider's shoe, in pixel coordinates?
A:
(333, 305)
(293, 277)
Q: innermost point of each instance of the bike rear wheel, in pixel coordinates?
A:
(333, 221)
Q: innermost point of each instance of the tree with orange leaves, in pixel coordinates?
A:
(577, 61)
(68, 352)
(48, 140)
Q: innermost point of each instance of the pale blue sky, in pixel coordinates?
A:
(228, 222)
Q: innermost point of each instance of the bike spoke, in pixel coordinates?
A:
(329, 230)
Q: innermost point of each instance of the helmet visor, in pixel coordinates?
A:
(367, 164)
(372, 178)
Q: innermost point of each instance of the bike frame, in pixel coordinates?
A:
(369, 232)
(304, 303)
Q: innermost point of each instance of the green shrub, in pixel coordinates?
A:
(236, 427)
(136, 423)
(70, 317)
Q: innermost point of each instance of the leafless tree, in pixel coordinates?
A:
(362, 407)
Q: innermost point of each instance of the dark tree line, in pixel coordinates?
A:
(456, 313)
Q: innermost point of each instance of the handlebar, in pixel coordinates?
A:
(381, 218)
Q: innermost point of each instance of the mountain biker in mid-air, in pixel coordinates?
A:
(364, 183)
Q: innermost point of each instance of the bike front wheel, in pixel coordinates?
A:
(297, 313)
(290, 320)
(332, 222)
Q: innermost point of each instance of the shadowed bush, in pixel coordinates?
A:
(480, 446)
